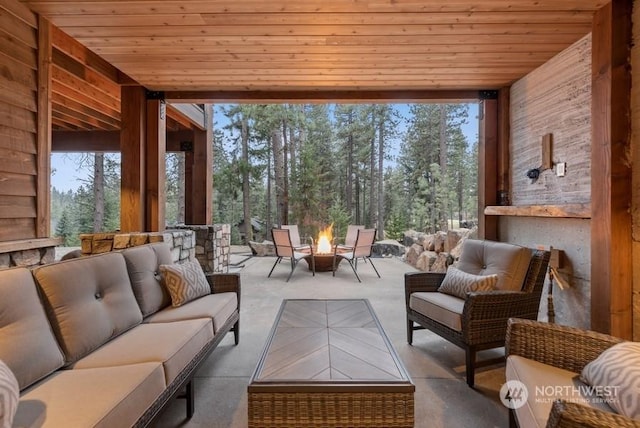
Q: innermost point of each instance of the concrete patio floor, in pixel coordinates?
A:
(442, 397)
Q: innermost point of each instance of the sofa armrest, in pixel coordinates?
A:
(224, 283)
(565, 347)
(484, 305)
(565, 414)
(421, 281)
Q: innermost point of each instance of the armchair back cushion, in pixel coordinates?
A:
(509, 262)
(27, 343)
(143, 264)
(90, 301)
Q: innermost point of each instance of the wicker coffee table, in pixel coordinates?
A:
(329, 363)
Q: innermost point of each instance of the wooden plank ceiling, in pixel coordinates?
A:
(320, 45)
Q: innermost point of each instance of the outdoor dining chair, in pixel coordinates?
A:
(361, 249)
(285, 248)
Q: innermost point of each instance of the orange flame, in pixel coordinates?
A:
(325, 237)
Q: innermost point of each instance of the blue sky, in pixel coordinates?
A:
(68, 176)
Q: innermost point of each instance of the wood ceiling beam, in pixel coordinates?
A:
(189, 115)
(320, 96)
(106, 141)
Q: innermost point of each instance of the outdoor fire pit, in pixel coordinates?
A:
(323, 252)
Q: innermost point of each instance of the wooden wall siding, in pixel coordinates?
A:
(323, 44)
(18, 122)
(635, 142)
(555, 98)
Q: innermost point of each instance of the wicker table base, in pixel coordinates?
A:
(329, 363)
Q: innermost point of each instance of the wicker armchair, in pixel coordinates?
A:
(484, 315)
(567, 348)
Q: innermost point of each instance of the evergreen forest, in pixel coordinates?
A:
(389, 166)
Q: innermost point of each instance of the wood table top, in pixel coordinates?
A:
(329, 343)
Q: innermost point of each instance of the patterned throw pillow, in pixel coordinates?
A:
(616, 376)
(185, 282)
(458, 283)
(9, 395)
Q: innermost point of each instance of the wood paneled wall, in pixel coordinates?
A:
(19, 165)
(635, 142)
(556, 99)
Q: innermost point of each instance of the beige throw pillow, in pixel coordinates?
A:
(615, 376)
(458, 283)
(185, 282)
(9, 395)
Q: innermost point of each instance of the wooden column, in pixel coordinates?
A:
(132, 147)
(503, 149)
(488, 164)
(156, 165)
(43, 198)
(611, 267)
(199, 175)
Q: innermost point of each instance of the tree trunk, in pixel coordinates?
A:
(278, 168)
(372, 170)
(246, 185)
(348, 194)
(98, 192)
(380, 177)
(285, 174)
(181, 193)
(269, 183)
(443, 167)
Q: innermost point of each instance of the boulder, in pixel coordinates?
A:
(438, 241)
(412, 254)
(453, 237)
(441, 263)
(261, 249)
(426, 260)
(387, 248)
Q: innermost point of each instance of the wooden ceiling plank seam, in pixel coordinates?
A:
(85, 56)
(318, 6)
(60, 99)
(91, 77)
(61, 91)
(344, 18)
(83, 33)
(92, 122)
(69, 80)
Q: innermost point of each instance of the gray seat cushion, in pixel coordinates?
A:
(440, 307)
(102, 397)
(27, 343)
(173, 345)
(142, 263)
(90, 301)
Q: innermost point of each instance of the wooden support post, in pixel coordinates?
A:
(504, 142)
(199, 175)
(611, 267)
(43, 198)
(132, 147)
(488, 166)
(156, 166)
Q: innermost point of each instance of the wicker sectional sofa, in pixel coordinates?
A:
(95, 342)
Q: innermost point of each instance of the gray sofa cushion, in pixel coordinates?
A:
(27, 343)
(219, 307)
(441, 307)
(103, 397)
(173, 345)
(509, 262)
(90, 301)
(142, 264)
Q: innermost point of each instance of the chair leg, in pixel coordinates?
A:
(512, 419)
(470, 357)
(293, 267)
(274, 266)
(354, 269)
(409, 331)
(190, 399)
(374, 267)
(236, 332)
